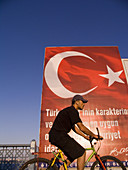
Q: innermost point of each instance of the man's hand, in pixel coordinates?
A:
(97, 137)
(87, 137)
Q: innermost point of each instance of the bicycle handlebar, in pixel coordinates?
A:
(98, 134)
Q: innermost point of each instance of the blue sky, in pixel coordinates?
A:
(26, 28)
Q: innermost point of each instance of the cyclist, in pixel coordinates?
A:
(66, 120)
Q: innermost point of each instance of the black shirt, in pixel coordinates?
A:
(66, 119)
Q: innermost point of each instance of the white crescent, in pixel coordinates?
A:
(51, 74)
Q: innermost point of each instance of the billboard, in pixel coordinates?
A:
(97, 74)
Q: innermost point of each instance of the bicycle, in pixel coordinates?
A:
(101, 163)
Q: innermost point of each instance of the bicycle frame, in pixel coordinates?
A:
(96, 156)
(92, 154)
(60, 153)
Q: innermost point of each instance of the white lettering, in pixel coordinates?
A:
(50, 148)
(88, 112)
(48, 124)
(111, 111)
(115, 152)
(51, 113)
(46, 136)
(108, 124)
(111, 135)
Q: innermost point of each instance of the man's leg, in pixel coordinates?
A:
(68, 163)
(81, 161)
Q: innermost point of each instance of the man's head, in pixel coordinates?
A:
(79, 101)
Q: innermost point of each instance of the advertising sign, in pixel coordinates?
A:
(97, 74)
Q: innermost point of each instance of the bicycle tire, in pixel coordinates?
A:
(108, 163)
(42, 162)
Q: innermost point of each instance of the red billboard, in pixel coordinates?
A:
(97, 74)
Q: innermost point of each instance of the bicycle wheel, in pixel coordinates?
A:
(110, 163)
(38, 164)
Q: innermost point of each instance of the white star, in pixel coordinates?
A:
(112, 76)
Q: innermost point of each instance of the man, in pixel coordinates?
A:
(66, 120)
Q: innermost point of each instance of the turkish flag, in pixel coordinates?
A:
(97, 74)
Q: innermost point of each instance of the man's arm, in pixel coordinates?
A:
(85, 130)
(77, 130)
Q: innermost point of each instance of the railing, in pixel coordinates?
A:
(13, 156)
